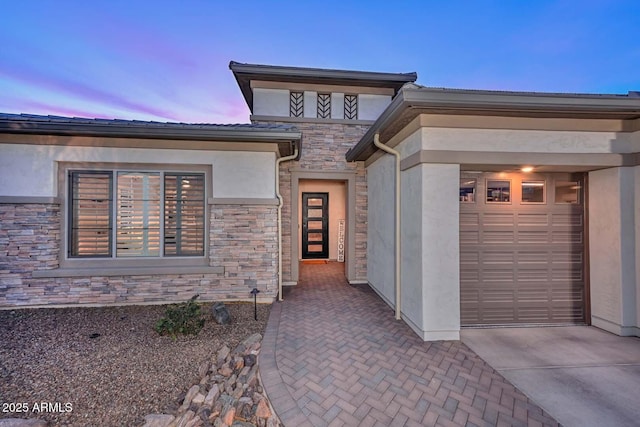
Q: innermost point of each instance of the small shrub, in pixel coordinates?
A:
(184, 318)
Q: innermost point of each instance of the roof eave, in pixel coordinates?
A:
(244, 73)
(148, 132)
(472, 102)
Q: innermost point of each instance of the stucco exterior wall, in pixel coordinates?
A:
(275, 102)
(612, 253)
(380, 228)
(533, 141)
(271, 102)
(430, 251)
(31, 170)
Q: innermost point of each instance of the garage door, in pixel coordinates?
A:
(522, 249)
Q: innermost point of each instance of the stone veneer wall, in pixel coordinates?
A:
(324, 146)
(243, 242)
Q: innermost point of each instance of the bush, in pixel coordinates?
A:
(184, 318)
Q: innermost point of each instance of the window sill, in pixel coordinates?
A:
(126, 271)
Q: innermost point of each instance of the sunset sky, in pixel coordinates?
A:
(168, 60)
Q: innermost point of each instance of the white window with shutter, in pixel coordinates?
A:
(125, 214)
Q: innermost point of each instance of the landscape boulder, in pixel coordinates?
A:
(220, 313)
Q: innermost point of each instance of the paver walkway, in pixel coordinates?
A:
(334, 355)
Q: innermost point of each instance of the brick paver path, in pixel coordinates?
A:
(334, 355)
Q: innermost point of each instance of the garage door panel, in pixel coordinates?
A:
(470, 258)
(500, 219)
(535, 237)
(496, 275)
(568, 257)
(570, 219)
(521, 263)
(472, 219)
(469, 237)
(498, 258)
(532, 275)
(470, 276)
(533, 257)
(533, 314)
(497, 316)
(533, 220)
(491, 236)
(562, 236)
(567, 275)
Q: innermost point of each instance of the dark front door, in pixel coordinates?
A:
(315, 225)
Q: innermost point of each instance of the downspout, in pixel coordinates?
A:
(377, 143)
(280, 203)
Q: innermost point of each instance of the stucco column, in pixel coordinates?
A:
(430, 251)
(612, 249)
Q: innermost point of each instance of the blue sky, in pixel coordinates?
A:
(168, 60)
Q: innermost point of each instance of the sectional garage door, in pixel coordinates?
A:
(522, 249)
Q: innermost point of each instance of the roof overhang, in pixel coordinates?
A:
(413, 100)
(245, 73)
(284, 137)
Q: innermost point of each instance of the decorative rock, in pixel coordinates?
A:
(212, 396)
(263, 411)
(250, 360)
(184, 419)
(190, 395)
(198, 399)
(225, 371)
(229, 394)
(195, 422)
(157, 420)
(222, 355)
(220, 313)
(228, 415)
(238, 362)
(203, 369)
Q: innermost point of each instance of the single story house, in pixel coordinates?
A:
(458, 207)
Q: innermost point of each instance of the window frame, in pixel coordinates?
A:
(486, 189)
(64, 188)
(531, 181)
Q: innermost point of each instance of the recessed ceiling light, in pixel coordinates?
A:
(527, 169)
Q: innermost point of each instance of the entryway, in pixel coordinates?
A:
(322, 229)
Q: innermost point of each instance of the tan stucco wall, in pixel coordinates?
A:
(31, 170)
(613, 250)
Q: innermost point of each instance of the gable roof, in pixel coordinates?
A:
(413, 100)
(245, 73)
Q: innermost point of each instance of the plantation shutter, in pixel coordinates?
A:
(184, 202)
(90, 219)
(138, 214)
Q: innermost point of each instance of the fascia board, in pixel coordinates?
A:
(68, 129)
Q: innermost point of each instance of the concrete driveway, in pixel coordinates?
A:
(580, 375)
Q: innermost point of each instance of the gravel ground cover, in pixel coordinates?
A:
(105, 366)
